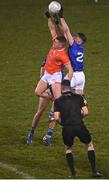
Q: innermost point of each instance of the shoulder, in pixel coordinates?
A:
(81, 46)
(78, 96)
(82, 99)
(74, 44)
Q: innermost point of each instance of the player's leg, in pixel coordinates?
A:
(70, 160)
(56, 88)
(50, 130)
(85, 137)
(92, 160)
(43, 102)
(78, 82)
(41, 87)
(68, 135)
(55, 81)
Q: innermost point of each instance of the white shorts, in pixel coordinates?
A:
(78, 80)
(52, 78)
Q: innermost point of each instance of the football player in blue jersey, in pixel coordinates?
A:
(76, 54)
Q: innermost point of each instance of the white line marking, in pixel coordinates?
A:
(13, 169)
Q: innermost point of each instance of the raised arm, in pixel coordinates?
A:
(55, 30)
(70, 70)
(52, 28)
(66, 31)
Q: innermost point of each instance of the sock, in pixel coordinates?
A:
(32, 130)
(92, 159)
(50, 132)
(51, 115)
(70, 161)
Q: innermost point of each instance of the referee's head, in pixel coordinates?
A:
(66, 85)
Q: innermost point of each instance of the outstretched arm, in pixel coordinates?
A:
(55, 30)
(66, 31)
(70, 71)
(52, 28)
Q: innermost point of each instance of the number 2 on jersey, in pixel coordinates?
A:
(80, 57)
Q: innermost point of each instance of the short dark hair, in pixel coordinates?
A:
(66, 82)
(82, 36)
(61, 39)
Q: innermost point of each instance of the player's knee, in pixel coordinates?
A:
(90, 146)
(37, 92)
(68, 149)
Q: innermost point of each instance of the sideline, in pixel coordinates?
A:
(13, 169)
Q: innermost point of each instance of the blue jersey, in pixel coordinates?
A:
(76, 55)
(43, 62)
(63, 73)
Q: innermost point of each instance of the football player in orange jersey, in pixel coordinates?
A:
(52, 75)
(43, 102)
(55, 58)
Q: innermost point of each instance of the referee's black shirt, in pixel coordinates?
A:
(69, 105)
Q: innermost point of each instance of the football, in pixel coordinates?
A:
(54, 7)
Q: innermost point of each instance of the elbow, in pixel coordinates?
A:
(66, 30)
(86, 112)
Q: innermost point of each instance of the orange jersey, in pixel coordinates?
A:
(55, 59)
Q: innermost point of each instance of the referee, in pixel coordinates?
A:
(69, 110)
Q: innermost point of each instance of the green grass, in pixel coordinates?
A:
(24, 40)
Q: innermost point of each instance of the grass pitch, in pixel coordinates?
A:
(24, 40)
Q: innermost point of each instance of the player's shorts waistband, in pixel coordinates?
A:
(78, 71)
(58, 72)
